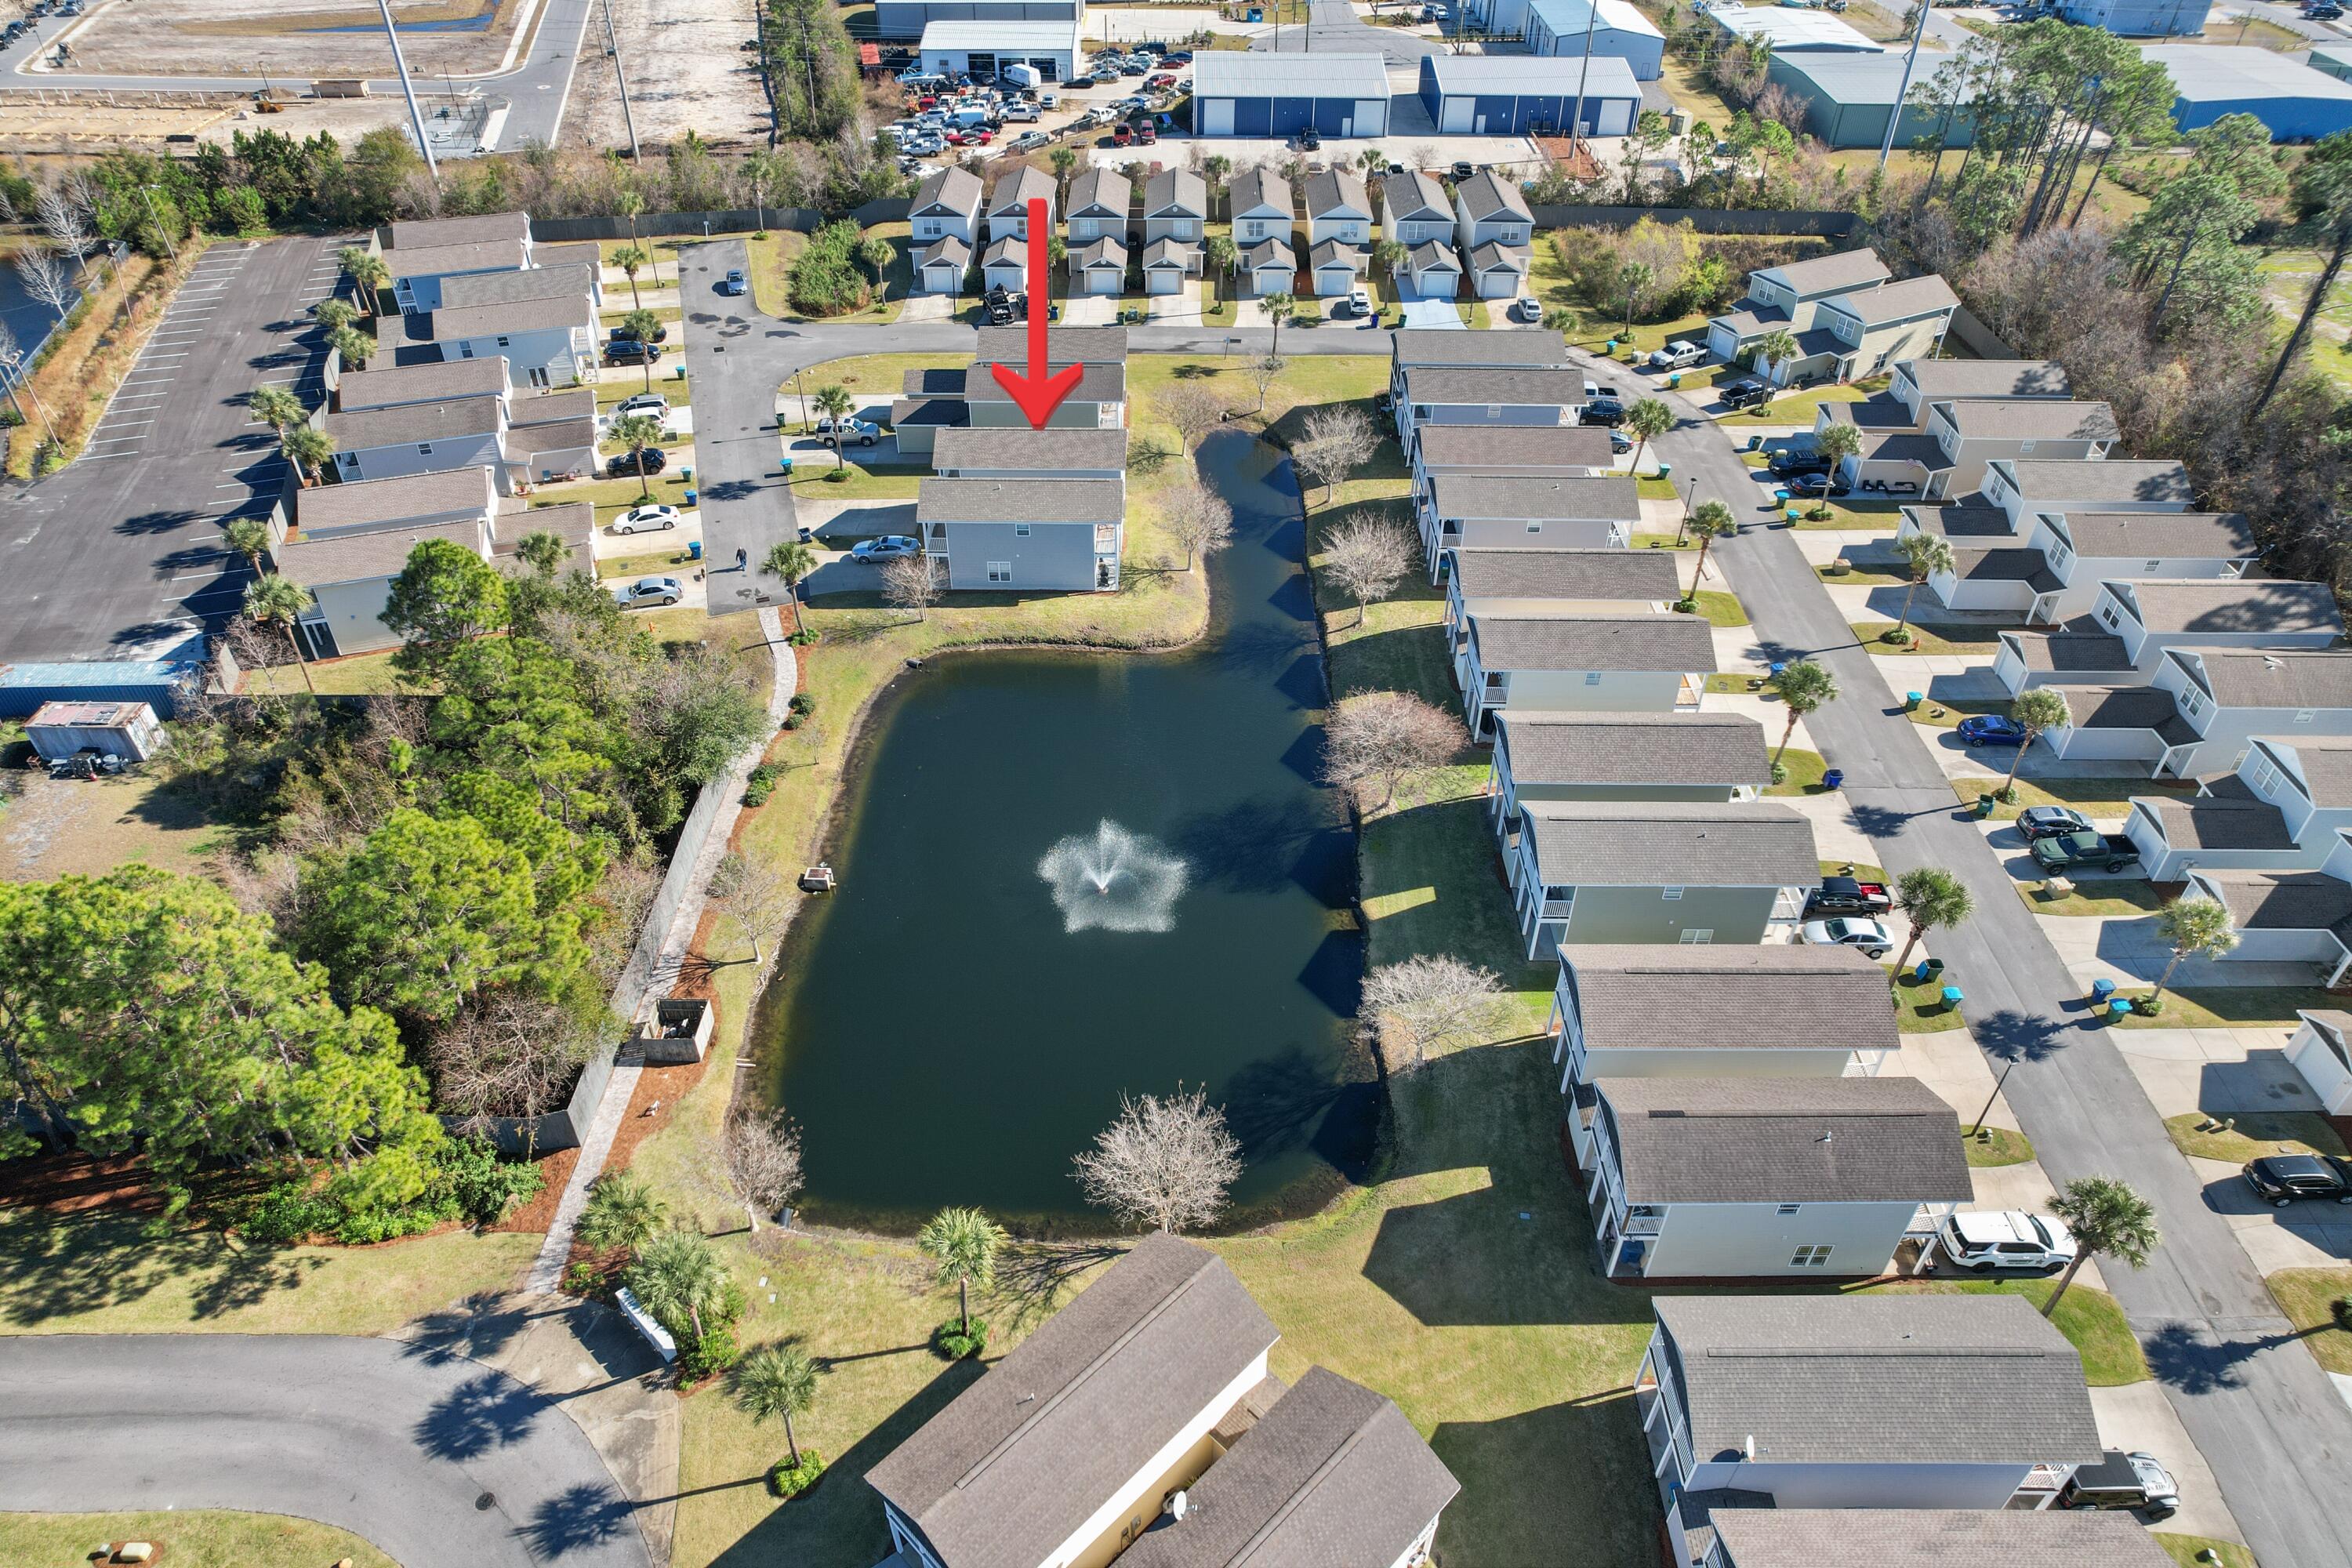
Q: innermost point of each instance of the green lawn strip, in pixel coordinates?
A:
(870, 376)
(1433, 881)
(1721, 608)
(649, 564)
(1652, 488)
(1661, 541)
(2308, 1298)
(1802, 771)
(2254, 1134)
(1925, 639)
(813, 478)
(1842, 570)
(1919, 1004)
(1995, 1146)
(2091, 1321)
(2116, 896)
(1797, 407)
(357, 675)
(610, 498)
(1939, 713)
(1600, 328)
(2227, 1006)
(2187, 1549)
(626, 381)
(187, 1537)
(2092, 797)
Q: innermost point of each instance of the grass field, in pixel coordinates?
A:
(2308, 1298)
(188, 1537)
(1919, 1004)
(2092, 797)
(2227, 1006)
(1925, 639)
(2186, 1551)
(53, 828)
(2110, 897)
(1996, 1146)
(2254, 1134)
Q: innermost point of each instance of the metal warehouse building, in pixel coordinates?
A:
(1787, 31)
(2298, 103)
(908, 18)
(1847, 99)
(1237, 93)
(2139, 18)
(2335, 61)
(1558, 27)
(985, 47)
(1516, 95)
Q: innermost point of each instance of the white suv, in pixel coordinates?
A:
(1983, 1243)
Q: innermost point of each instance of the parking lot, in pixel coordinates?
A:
(120, 554)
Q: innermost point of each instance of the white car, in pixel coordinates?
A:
(648, 591)
(859, 432)
(1360, 302)
(888, 547)
(650, 402)
(654, 518)
(1526, 308)
(1680, 354)
(1871, 936)
(1983, 1243)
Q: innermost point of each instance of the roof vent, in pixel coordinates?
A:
(2272, 661)
(1179, 1505)
(1827, 1134)
(1749, 1447)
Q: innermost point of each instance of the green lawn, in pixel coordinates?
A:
(2184, 1548)
(1996, 1146)
(1721, 608)
(2121, 896)
(1947, 638)
(771, 255)
(1803, 772)
(1844, 572)
(187, 1537)
(1797, 407)
(2308, 1298)
(1848, 516)
(2254, 1134)
(2229, 1006)
(813, 478)
(1919, 1006)
(2092, 797)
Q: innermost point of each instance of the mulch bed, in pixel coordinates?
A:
(78, 1184)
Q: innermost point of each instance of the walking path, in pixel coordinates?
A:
(2267, 1420)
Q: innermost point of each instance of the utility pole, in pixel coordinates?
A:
(1583, 73)
(1894, 115)
(408, 91)
(613, 47)
(157, 219)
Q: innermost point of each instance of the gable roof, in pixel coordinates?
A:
(441, 260)
(1938, 379)
(430, 380)
(367, 428)
(1332, 1477)
(1934, 1538)
(1107, 251)
(1648, 574)
(1099, 383)
(1414, 195)
(420, 233)
(1175, 192)
(1013, 192)
(1438, 348)
(2097, 479)
(573, 281)
(1496, 256)
(1485, 197)
(2323, 764)
(2282, 900)
(1337, 190)
(1878, 1380)
(1254, 188)
(1336, 253)
(1607, 496)
(1432, 255)
(1100, 188)
(1562, 388)
(2186, 535)
(2225, 823)
(2230, 604)
(1167, 252)
(2251, 678)
(948, 249)
(1847, 269)
(1063, 345)
(1020, 501)
(1666, 644)
(1894, 302)
(1005, 249)
(2028, 419)
(1604, 748)
(363, 503)
(1497, 448)
(1785, 1140)
(1048, 448)
(546, 313)
(1671, 844)
(953, 189)
(2080, 646)
(360, 557)
(1795, 998)
(1019, 1461)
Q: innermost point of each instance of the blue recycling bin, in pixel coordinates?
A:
(1952, 997)
(1911, 701)
(2102, 991)
(1834, 778)
(2119, 1010)
(1779, 668)
(1923, 969)
(692, 495)
(694, 550)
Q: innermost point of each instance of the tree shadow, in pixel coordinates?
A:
(575, 1518)
(2011, 1035)
(1274, 1105)
(1878, 822)
(163, 520)
(1254, 846)
(485, 1412)
(1034, 1277)
(731, 490)
(474, 1329)
(1582, 1459)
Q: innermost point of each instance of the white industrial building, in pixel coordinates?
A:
(1789, 30)
(1613, 27)
(1238, 93)
(985, 48)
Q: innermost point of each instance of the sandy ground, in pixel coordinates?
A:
(687, 69)
(291, 37)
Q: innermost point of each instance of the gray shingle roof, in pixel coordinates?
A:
(1648, 574)
(2256, 680)
(1795, 998)
(1049, 448)
(1099, 383)
(1175, 192)
(1934, 1538)
(571, 281)
(1895, 301)
(2283, 901)
(1496, 256)
(1432, 255)
(1672, 643)
(2194, 535)
(418, 233)
(1004, 249)
(367, 427)
(1671, 844)
(1879, 1380)
(1019, 500)
(1516, 349)
(1937, 379)
(2074, 649)
(2030, 419)
(1252, 190)
(2006, 566)
(953, 189)
(949, 249)
(2098, 480)
(1165, 252)
(1013, 192)
(426, 261)
(1106, 251)
(2126, 708)
(1413, 194)
(2234, 605)
(1847, 269)
(1960, 522)
(2218, 823)
(357, 557)
(1336, 253)
(1104, 191)
(1785, 1140)
(1276, 253)
(362, 502)
(1503, 385)
(1530, 497)
(540, 315)
(554, 435)
(1063, 345)
(1336, 190)
(1332, 1477)
(428, 383)
(1601, 748)
(1018, 1461)
(1485, 197)
(1497, 448)
(2326, 765)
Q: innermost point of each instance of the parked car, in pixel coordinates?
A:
(1021, 111)
(1164, 79)
(624, 465)
(2282, 1179)
(628, 351)
(2110, 851)
(1846, 896)
(1359, 302)
(1148, 133)
(735, 282)
(2051, 822)
(623, 334)
(978, 136)
(1603, 411)
(1792, 461)
(888, 547)
(1746, 393)
(1123, 134)
(1526, 308)
(647, 591)
(1984, 1243)
(1462, 171)
(2325, 12)
(1679, 354)
(1812, 485)
(1993, 729)
(1619, 442)
(1029, 141)
(833, 432)
(1310, 142)
(652, 518)
(2122, 1480)
(1872, 936)
(651, 404)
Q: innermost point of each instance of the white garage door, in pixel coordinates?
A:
(1617, 117)
(1371, 117)
(1456, 120)
(1219, 120)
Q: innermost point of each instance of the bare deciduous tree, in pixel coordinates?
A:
(1164, 1163)
(1430, 1004)
(911, 583)
(1196, 519)
(507, 1053)
(1193, 407)
(1339, 440)
(1263, 374)
(753, 1166)
(758, 891)
(1368, 556)
(46, 279)
(1385, 735)
(65, 219)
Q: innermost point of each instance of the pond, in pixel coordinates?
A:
(1070, 877)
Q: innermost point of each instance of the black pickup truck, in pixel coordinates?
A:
(2108, 851)
(1846, 896)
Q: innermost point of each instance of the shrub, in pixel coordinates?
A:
(288, 1213)
(837, 475)
(788, 1480)
(804, 703)
(2148, 1007)
(2340, 1310)
(1779, 772)
(825, 278)
(950, 1341)
(479, 1184)
(761, 783)
(582, 1279)
(713, 1354)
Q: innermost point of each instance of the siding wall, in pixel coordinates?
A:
(1054, 555)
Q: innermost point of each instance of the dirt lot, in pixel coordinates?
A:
(293, 38)
(49, 827)
(687, 69)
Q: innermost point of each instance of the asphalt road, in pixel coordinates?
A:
(1332, 27)
(119, 555)
(2265, 1417)
(433, 1457)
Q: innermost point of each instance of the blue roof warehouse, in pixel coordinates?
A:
(2298, 103)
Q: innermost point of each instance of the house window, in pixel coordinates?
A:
(1591, 677)
(2025, 449)
(1698, 936)
(930, 228)
(999, 571)
(1019, 530)
(1535, 528)
(1810, 1258)
(2108, 613)
(1494, 411)
(2152, 567)
(2191, 703)
(1670, 893)
(2266, 777)
(425, 451)
(503, 343)
(1789, 1208)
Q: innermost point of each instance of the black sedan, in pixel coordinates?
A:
(2280, 1179)
(624, 465)
(1603, 411)
(1815, 485)
(2051, 822)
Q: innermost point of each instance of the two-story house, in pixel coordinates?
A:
(1858, 334)
(2084, 549)
(1099, 202)
(546, 438)
(1758, 1395)
(1509, 452)
(1747, 1178)
(1785, 298)
(1262, 207)
(1949, 458)
(1482, 512)
(1439, 348)
(2022, 487)
(543, 322)
(1615, 664)
(1494, 228)
(2131, 623)
(1441, 394)
(1339, 231)
(1028, 534)
(1175, 224)
(1097, 402)
(2285, 808)
(419, 253)
(1417, 215)
(1657, 873)
(2286, 917)
(1542, 757)
(1739, 1537)
(1916, 385)
(2205, 705)
(426, 381)
(944, 224)
(1556, 582)
(967, 453)
(1008, 204)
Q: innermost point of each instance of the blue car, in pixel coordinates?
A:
(1992, 730)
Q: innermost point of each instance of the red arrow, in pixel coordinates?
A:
(1041, 391)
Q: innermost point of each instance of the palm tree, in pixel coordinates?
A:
(776, 1382)
(1278, 306)
(1634, 278)
(1837, 443)
(1387, 254)
(249, 537)
(791, 561)
(1711, 520)
(1064, 160)
(2036, 710)
(637, 432)
(1805, 687)
(1779, 347)
(640, 324)
(877, 253)
(2191, 926)
(541, 551)
(622, 1211)
(307, 447)
(833, 401)
(1930, 897)
(333, 315)
(354, 347)
(631, 261)
(279, 601)
(1646, 422)
(678, 1277)
(1924, 554)
(1220, 256)
(2109, 1219)
(367, 272)
(632, 203)
(963, 1243)
(275, 407)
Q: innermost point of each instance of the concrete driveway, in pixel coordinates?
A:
(1430, 313)
(421, 1449)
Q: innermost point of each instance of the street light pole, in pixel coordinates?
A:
(408, 91)
(1910, 60)
(613, 47)
(146, 192)
(1583, 72)
(1993, 1096)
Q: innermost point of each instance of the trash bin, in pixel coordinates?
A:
(1675, 381)
(694, 550)
(1779, 669)
(1613, 348)
(1952, 997)
(1755, 443)
(1927, 969)
(1911, 702)
(685, 475)
(1984, 806)
(1834, 778)
(2102, 993)
(677, 372)
(2119, 1009)
(1665, 469)
(692, 495)
(784, 466)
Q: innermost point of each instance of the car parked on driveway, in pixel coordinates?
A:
(2051, 822)
(653, 405)
(2121, 1481)
(888, 547)
(735, 282)
(849, 429)
(624, 465)
(648, 591)
(2108, 851)
(623, 334)
(1815, 485)
(1872, 936)
(1603, 411)
(2282, 1179)
(1679, 354)
(1791, 462)
(1744, 394)
(1992, 730)
(628, 351)
(653, 517)
(1846, 896)
(1989, 1243)
(1526, 308)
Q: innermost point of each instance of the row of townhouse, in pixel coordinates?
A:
(1848, 316)
(1141, 1422)
(438, 416)
(481, 287)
